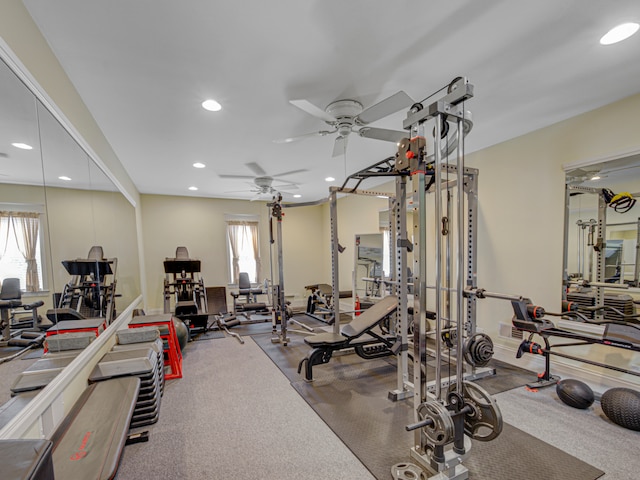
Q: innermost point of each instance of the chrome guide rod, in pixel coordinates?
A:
(420, 282)
(281, 305)
(335, 274)
(399, 214)
(438, 263)
(460, 257)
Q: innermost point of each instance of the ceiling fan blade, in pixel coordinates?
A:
(340, 146)
(255, 168)
(382, 134)
(238, 177)
(291, 172)
(311, 109)
(293, 186)
(303, 136)
(389, 105)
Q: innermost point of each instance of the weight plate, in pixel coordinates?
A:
(440, 432)
(478, 350)
(407, 471)
(483, 422)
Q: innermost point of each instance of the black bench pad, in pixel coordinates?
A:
(26, 459)
(89, 442)
(356, 327)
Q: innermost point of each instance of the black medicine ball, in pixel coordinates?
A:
(575, 393)
(622, 406)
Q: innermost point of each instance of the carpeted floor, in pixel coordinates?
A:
(234, 416)
(587, 434)
(350, 395)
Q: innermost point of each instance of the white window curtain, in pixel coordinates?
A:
(234, 230)
(253, 227)
(243, 233)
(30, 223)
(4, 232)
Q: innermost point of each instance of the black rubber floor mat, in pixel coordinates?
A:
(516, 455)
(350, 395)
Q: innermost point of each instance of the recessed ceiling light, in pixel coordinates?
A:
(595, 177)
(23, 146)
(199, 165)
(382, 196)
(619, 33)
(297, 195)
(329, 179)
(193, 189)
(211, 105)
(65, 178)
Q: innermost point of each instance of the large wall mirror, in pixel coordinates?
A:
(602, 236)
(56, 203)
(369, 264)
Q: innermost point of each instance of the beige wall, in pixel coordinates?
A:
(521, 213)
(199, 224)
(357, 214)
(304, 255)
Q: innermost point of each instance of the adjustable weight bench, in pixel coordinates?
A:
(360, 334)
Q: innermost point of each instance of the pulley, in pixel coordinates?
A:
(478, 350)
(438, 428)
(482, 417)
(450, 337)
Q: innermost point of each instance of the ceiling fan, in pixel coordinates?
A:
(347, 116)
(581, 175)
(262, 185)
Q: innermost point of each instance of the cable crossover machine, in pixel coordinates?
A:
(449, 410)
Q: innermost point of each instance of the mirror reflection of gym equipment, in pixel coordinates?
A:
(91, 291)
(185, 287)
(369, 262)
(20, 324)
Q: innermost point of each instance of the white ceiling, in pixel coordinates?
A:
(143, 67)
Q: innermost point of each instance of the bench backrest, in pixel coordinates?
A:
(371, 317)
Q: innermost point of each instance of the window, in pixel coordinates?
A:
(244, 249)
(20, 249)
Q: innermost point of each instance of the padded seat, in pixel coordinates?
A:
(250, 303)
(326, 339)
(360, 333)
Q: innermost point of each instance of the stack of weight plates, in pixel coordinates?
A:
(143, 363)
(157, 347)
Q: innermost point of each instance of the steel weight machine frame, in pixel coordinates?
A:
(452, 412)
(279, 310)
(444, 423)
